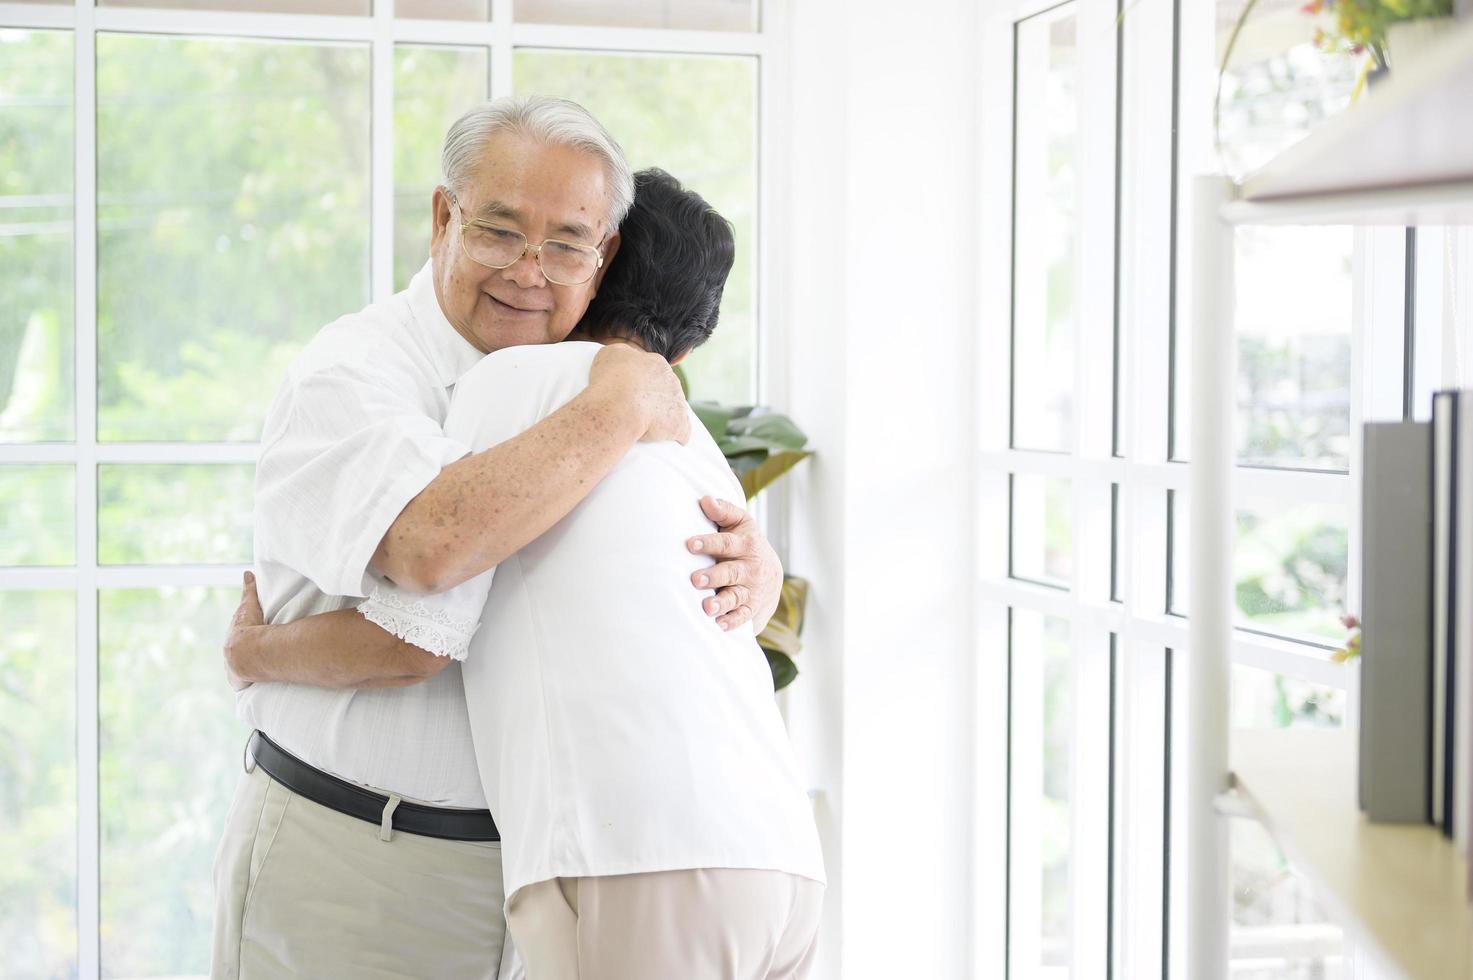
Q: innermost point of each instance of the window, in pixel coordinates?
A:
(1096, 521)
(229, 166)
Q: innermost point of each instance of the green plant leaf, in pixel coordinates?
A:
(758, 478)
(770, 428)
(714, 417)
(684, 381)
(782, 630)
(784, 671)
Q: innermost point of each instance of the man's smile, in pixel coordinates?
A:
(512, 310)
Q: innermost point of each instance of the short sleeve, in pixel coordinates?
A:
(442, 623)
(343, 452)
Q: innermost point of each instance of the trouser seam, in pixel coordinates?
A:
(266, 854)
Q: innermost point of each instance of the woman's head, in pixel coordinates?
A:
(663, 289)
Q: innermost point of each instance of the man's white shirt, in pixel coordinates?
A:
(355, 432)
(618, 729)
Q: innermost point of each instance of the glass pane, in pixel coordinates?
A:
(162, 515)
(170, 757)
(1043, 776)
(1263, 699)
(699, 15)
(1278, 930)
(443, 9)
(432, 87)
(233, 223)
(1042, 530)
(36, 331)
(1289, 567)
(38, 784)
(1293, 289)
(1045, 230)
(1293, 321)
(37, 515)
(343, 8)
(697, 118)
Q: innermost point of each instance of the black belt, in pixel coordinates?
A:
(355, 801)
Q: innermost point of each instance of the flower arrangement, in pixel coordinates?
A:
(1360, 26)
(1351, 650)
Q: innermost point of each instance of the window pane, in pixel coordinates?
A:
(700, 15)
(443, 9)
(38, 784)
(1293, 321)
(1043, 774)
(1278, 929)
(345, 8)
(1289, 567)
(36, 332)
(432, 87)
(1042, 530)
(170, 756)
(1263, 699)
(1293, 290)
(233, 223)
(37, 514)
(161, 515)
(1045, 231)
(697, 118)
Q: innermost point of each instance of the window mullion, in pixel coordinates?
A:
(89, 882)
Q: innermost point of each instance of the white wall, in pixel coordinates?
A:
(876, 334)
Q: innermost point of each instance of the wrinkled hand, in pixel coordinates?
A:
(646, 382)
(248, 615)
(747, 576)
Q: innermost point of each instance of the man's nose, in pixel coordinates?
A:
(525, 271)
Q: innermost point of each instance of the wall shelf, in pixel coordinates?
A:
(1398, 888)
(1403, 155)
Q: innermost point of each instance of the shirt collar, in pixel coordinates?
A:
(450, 353)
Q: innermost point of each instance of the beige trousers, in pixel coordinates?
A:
(305, 891)
(705, 924)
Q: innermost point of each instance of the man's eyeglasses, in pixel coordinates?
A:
(565, 263)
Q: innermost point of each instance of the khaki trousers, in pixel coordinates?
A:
(704, 924)
(305, 891)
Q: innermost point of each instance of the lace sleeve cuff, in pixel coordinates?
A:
(415, 621)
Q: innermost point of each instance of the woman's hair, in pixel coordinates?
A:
(557, 122)
(663, 287)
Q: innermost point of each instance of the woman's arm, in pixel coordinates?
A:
(335, 649)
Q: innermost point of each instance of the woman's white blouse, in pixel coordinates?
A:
(617, 728)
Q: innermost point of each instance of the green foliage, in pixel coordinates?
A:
(760, 445)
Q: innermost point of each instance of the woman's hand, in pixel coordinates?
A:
(243, 628)
(747, 576)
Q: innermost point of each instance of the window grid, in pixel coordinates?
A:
(381, 31)
(1142, 396)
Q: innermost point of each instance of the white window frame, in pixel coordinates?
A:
(502, 37)
(1129, 864)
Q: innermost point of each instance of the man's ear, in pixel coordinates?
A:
(439, 216)
(610, 248)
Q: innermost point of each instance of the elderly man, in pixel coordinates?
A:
(358, 843)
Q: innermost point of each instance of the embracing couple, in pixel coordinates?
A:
(498, 656)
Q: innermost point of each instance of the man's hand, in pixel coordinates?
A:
(648, 383)
(248, 616)
(747, 576)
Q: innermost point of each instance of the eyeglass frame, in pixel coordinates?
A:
(536, 249)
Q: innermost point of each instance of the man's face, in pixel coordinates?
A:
(543, 192)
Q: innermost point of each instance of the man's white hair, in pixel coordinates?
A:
(558, 122)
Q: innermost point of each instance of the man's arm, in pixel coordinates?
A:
(336, 649)
(489, 505)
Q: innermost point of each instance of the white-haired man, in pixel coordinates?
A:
(358, 843)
